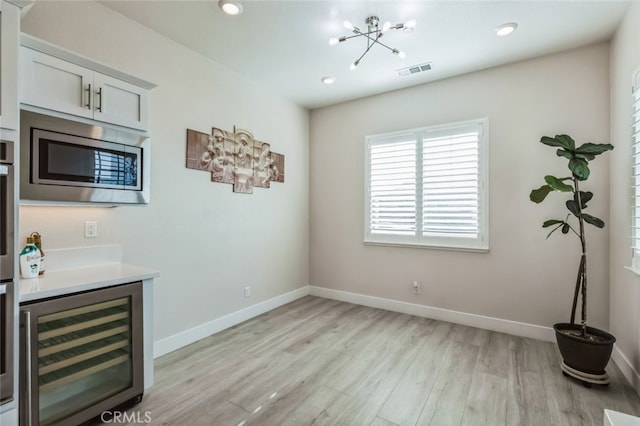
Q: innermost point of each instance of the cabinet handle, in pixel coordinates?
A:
(28, 366)
(100, 99)
(88, 105)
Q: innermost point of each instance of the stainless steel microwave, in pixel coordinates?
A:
(69, 161)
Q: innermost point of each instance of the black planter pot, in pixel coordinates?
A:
(586, 359)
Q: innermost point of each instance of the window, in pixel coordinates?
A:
(428, 187)
(635, 140)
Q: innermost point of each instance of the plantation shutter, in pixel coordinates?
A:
(392, 181)
(635, 137)
(450, 182)
(426, 187)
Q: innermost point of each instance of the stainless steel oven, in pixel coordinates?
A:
(7, 206)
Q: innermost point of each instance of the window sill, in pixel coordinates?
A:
(429, 247)
(632, 269)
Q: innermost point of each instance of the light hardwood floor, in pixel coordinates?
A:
(319, 361)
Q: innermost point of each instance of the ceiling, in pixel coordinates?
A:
(283, 45)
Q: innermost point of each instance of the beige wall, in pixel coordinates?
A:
(524, 277)
(207, 242)
(625, 285)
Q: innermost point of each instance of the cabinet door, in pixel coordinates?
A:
(118, 102)
(52, 83)
(10, 22)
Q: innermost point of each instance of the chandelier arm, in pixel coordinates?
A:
(364, 53)
(351, 36)
(384, 45)
(357, 31)
(377, 40)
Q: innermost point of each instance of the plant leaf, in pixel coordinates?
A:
(550, 222)
(538, 195)
(568, 140)
(565, 228)
(585, 196)
(594, 148)
(587, 157)
(557, 184)
(561, 143)
(564, 153)
(580, 168)
(572, 205)
(593, 220)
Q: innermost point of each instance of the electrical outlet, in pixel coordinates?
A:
(90, 229)
(247, 291)
(416, 287)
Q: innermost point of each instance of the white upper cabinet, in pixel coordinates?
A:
(63, 82)
(119, 102)
(10, 28)
(52, 83)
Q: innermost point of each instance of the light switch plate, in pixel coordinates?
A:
(90, 229)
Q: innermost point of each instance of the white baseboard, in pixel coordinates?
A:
(626, 368)
(479, 321)
(177, 341)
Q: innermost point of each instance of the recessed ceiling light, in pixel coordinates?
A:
(230, 7)
(506, 29)
(328, 79)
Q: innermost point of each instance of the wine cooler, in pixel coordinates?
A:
(83, 355)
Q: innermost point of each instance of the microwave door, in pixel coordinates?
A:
(82, 162)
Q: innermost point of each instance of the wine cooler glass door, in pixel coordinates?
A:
(82, 355)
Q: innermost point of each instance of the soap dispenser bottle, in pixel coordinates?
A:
(37, 240)
(30, 260)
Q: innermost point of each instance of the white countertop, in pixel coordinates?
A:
(66, 281)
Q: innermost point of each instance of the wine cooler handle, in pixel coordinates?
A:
(28, 366)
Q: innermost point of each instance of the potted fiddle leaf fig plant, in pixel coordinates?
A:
(585, 350)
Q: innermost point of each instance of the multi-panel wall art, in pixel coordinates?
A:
(235, 158)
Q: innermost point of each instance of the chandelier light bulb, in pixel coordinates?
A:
(333, 41)
(348, 25)
(399, 53)
(386, 27)
(409, 26)
(354, 65)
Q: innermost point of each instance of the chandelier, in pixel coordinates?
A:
(373, 35)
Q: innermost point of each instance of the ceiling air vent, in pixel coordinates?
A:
(414, 69)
